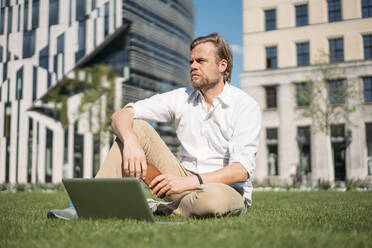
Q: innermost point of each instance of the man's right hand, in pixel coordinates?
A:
(134, 159)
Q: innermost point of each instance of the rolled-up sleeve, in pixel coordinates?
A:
(243, 145)
(159, 108)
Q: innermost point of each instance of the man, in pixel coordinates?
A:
(218, 126)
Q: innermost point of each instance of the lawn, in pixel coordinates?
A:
(276, 219)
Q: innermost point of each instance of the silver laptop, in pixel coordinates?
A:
(109, 198)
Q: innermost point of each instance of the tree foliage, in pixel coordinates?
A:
(328, 97)
(97, 86)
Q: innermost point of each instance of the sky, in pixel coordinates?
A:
(225, 18)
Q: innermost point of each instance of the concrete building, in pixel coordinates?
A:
(44, 41)
(283, 42)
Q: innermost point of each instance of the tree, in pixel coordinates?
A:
(328, 98)
(96, 86)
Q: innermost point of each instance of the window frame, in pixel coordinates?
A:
(336, 54)
(302, 19)
(270, 19)
(334, 10)
(271, 57)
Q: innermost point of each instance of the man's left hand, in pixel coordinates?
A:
(168, 184)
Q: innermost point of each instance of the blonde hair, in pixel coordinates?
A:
(223, 51)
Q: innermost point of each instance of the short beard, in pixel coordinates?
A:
(202, 84)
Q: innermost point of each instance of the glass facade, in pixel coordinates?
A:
(129, 58)
(367, 83)
(334, 10)
(270, 19)
(336, 49)
(301, 15)
(303, 54)
(367, 43)
(366, 8)
(336, 91)
(271, 57)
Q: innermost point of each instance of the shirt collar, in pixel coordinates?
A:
(224, 97)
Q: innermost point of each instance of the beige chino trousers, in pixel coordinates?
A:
(210, 199)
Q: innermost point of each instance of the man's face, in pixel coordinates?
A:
(205, 70)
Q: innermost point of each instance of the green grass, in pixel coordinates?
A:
(283, 219)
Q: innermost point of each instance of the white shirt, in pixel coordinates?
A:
(228, 133)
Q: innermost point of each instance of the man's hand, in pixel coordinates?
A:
(134, 159)
(168, 184)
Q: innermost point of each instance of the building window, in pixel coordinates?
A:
(10, 18)
(29, 153)
(367, 42)
(19, 18)
(81, 41)
(336, 49)
(78, 153)
(336, 91)
(106, 20)
(44, 58)
(301, 15)
(53, 12)
(35, 14)
(334, 10)
(367, 82)
(61, 44)
(7, 122)
(5, 71)
(94, 5)
(271, 96)
(65, 146)
(80, 10)
(272, 148)
(339, 156)
(1, 54)
(19, 84)
(304, 145)
(25, 16)
(49, 156)
(34, 83)
(303, 94)
(271, 57)
(369, 147)
(2, 20)
(96, 153)
(303, 56)
(28, 44)
(270, 19)
(366, 8)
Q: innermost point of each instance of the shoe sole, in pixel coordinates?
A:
(51, 215)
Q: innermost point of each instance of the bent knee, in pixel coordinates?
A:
(217, 199)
